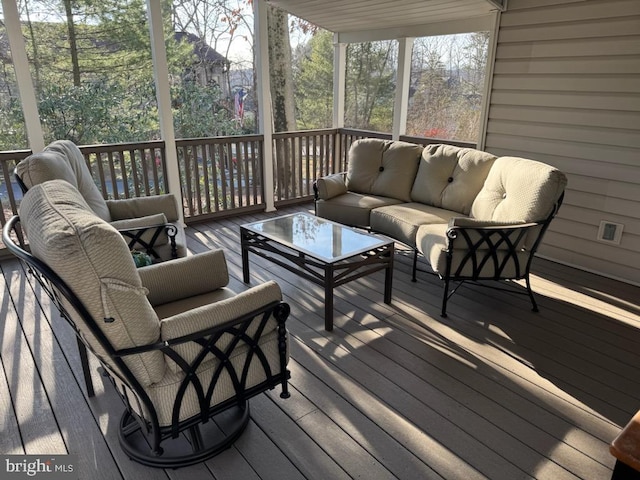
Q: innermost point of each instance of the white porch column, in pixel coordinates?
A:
(401, 104)
(339, 77)
(163, 97)
(265, 114)
(23, 76)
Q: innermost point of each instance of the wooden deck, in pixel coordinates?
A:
(493, 391)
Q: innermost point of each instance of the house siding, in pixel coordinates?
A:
(566, 91)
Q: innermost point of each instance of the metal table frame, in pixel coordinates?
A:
(326, 274)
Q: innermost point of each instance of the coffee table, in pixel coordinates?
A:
(319, 250)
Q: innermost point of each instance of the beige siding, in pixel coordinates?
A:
(566, 91)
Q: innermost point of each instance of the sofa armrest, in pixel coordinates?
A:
(144, 206)
(473, 234)
(330, 186)
(185, 277)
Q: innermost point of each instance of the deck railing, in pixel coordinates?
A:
(220, 176)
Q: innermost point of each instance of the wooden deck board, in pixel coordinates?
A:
(395, 391)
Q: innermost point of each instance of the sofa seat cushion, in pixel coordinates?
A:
(431, 241)
(352, 208)
(450, 177)
(383, 167)
(403, 220)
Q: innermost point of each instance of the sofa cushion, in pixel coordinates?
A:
(352, 208)
(94, 261)
(331, 186)
(450, 177)
(382, 167)
(519, 189)
(403, 220)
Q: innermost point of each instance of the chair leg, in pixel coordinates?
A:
(445, 297)
(86, 371)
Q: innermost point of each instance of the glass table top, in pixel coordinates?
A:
(320, 238)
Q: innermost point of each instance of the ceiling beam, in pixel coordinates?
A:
(475, 24)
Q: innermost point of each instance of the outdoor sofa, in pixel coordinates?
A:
(472, 215)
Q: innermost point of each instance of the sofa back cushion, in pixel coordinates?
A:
(382, 167)
(450, 177)
(92, 258)
(518, 189)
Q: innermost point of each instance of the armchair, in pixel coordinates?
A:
(150, 224)
(177, 344)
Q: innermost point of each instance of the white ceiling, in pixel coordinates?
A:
(348, 16)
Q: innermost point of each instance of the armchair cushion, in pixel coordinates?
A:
(84, 180)
(141, 223)
(44, 166)
(185, 277)
(450, 177)
(94, 261)
(331, 186)
(144, 206)
(216, 314)
(383, 167)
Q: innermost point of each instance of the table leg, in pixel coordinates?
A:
(388, 277)
(328, 298)
(245, 256)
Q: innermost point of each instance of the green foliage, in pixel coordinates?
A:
(313, 78)
(113, 98)
(199, 111)
(92, 111)
(13, 135)
(370, 85)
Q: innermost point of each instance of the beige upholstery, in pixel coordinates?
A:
(93, 259)
(382, 167)
(84, 179)
(495, 209)
(63, 160)
(450, 177)
(331, 186)
(403, 220)
(352, 208)
(432, 243)
(519, 189)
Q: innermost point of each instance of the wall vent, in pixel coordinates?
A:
(610, 232)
